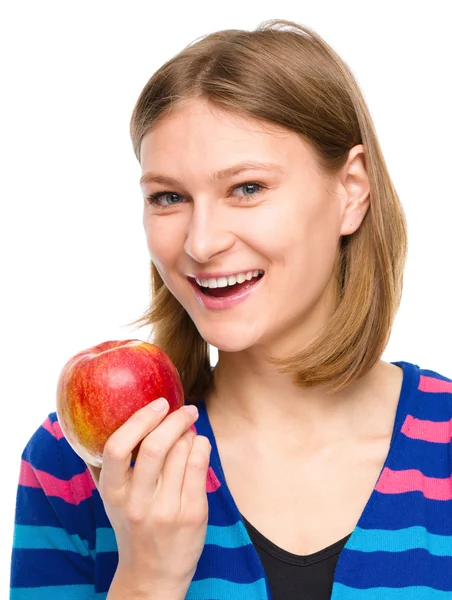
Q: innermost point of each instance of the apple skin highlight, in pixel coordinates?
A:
(101, 387)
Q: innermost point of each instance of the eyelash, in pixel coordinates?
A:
(153, 199)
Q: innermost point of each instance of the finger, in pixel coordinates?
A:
(118, 449)
(169, 483)
(154, 449)
(173, 471)
(194, 486)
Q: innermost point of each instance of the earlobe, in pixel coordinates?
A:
(354, 216)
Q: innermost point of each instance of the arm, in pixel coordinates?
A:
(54, 549)
(53, 544)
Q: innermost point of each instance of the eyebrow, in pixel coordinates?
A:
(218, 175)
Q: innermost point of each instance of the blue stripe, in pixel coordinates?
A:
(343, 592)
(220, 512)
(394, 569)
(106, 565)
(238, 565)
(399, 511)
(33, 506)
(219, 588)
(34, 537)
(227, 536)
(71, 464)
(433, 406)
(55, 592)
(35, 568)
(431, 459)
(106, 540)
(380, 540)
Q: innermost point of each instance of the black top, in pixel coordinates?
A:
(293, 577)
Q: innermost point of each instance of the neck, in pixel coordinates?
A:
(263, 404)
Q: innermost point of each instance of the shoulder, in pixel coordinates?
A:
(435, 382)
(426, 396)
(435, 390)
(49, 463)
(425, 379)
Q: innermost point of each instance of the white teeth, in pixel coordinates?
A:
(229, 280)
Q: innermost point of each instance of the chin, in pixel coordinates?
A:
(222, 347)
(228, 341)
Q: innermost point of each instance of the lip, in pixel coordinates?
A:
(213, 303)
(224, 274)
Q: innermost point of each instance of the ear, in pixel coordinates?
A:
(355, 182)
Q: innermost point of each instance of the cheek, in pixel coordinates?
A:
(162, 247)
(160, 238)
(309, 240)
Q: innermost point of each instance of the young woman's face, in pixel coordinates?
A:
(290, 228)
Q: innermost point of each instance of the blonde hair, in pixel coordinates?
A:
(286, 74)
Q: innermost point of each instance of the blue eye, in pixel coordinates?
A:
(154, 199)
(248, 185)
(157, 198)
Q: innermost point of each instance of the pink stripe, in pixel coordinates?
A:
(212, 483)
(428, 431)
(53, 428)
(411, 480)
(73, 491)
(436, 386)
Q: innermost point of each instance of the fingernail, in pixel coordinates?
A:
(191, 409)
(159, 405)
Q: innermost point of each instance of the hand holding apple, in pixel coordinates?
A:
(101, 387)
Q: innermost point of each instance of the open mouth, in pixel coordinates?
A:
(229, 290)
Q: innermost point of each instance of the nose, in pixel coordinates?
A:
(208, 233)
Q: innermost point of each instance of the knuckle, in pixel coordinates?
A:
(133, 514)
(140, 419)
(199, 457)
(197, 516)
(152, 448)
(197, 462)
(182, 446)
(143, 416)
(114, 450)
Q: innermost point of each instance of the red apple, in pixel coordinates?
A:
(101, 387)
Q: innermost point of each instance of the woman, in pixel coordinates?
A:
(305, 467)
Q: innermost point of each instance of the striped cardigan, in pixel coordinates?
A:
(401, 549)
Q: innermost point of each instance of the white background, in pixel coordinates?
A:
(74, 264)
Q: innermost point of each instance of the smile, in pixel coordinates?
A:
(225, 297)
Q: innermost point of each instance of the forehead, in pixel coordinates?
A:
(199, 130)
